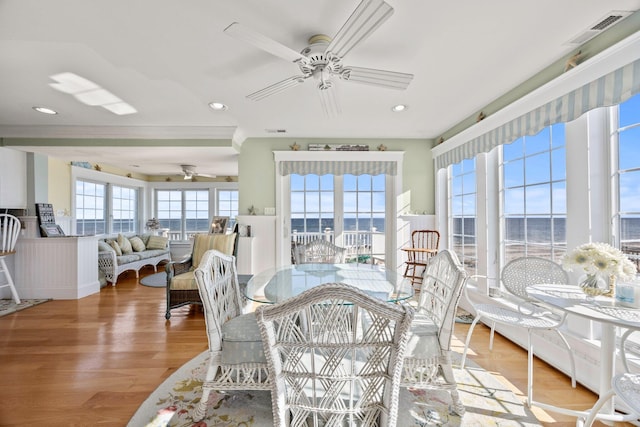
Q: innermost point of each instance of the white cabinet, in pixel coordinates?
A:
(245, 256)
(13, 179)
(258, 252)
(56, 267)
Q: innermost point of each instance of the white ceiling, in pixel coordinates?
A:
(169, 59)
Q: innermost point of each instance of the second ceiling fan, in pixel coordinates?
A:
(322, 59)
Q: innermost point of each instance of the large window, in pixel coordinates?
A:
(312, 207)
(103, 208)
(90, 208)
(348, 210)
(183, 212)
(124, 210)
(228, 205)
(534, 207)
(627, 167)
(364, 217)
(462, 200)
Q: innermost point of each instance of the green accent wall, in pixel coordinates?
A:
(256, 169)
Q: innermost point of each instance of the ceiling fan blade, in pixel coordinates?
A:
(247, 35)
(206, 175)
(368, 16)
(388, 79)
(277, 87)
(329, 102)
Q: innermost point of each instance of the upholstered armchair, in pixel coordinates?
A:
(181, 283)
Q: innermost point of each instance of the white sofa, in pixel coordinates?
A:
(111, 264)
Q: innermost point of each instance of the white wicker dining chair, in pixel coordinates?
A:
(318, 251)
(516, 276)
(427, 362)
(335, 355)
(9, 232)
(236, 356)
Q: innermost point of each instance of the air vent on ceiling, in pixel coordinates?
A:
(599, 26)
(276, 130)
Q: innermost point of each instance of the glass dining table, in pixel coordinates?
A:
(278, 284)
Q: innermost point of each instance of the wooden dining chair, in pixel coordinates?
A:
(335, 355)
(424, 245)
(236, 357)
(9, 232)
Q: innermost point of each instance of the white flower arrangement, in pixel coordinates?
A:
(153, 224)
(600, 258)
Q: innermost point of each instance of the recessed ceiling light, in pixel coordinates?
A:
(218, 106)
(45, 110)
(398, 108)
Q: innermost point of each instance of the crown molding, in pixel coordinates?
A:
(125, 132)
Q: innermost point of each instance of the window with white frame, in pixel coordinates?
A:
(90, 207)
(533, 194)
(312, 207)
(124, 212)
(183, 212)
(228, 205)
(626, 138)
(462, 201)
(364, 217)
(316, 209)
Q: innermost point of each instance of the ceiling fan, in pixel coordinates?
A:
(189, 172)
(322, 58)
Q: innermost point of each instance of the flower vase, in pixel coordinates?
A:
(594, 285)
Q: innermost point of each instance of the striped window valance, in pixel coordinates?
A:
(288, 167)
(610, 89)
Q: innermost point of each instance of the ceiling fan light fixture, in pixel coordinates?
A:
(399, 108)
(45, 110)
(218, 106)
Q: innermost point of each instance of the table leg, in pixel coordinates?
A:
(607, 366)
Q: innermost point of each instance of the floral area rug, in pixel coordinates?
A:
(8, 306)
(488, 402)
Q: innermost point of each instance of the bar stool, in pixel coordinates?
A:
(9, 230)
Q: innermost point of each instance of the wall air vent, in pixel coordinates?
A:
(599, 26)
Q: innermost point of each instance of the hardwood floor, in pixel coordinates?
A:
(93, 361)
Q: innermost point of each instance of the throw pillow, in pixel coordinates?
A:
(104, 246)
(157, 242)
(137, 244)
(116, 247)
(125, 245)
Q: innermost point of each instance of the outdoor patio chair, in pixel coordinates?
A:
(427, 361)
(236, 357)
(318, 251)
(516, 276)
(335, 355)
(624, 386)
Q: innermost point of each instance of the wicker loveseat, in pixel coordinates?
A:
(115, 257)
(182, 288)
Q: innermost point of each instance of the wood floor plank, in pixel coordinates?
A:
(93, 361)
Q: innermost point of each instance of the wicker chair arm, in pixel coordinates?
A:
(107, 263)
(174, 268)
